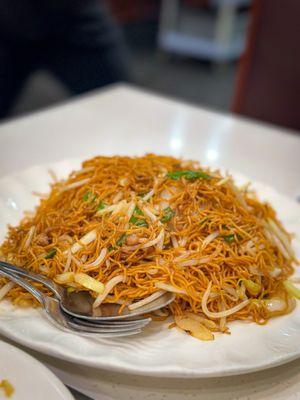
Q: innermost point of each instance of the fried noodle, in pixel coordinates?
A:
(152, 224)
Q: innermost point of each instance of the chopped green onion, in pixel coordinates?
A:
(203, 221)
(101, 206)
(138, 211)
(292, 289)
(228, 238)
(231, 237)
(50, 254)
(188, 174)
(168, 214)
(142, 194)
(120, 241)
(87, 195)
(111, 248)
(138, 222)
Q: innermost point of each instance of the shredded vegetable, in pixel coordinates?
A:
(292, 289)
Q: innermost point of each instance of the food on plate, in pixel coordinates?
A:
(127, 229)
(7, 388)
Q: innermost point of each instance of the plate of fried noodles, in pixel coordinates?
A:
(141, 226)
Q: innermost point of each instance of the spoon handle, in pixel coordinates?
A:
(24, 284)
(6, 267)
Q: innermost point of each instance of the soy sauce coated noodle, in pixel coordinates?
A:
(132, 227)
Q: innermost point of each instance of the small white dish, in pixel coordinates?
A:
(29, 378)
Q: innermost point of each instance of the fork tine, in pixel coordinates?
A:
(108, 335)
(116, 325)
(100, 330)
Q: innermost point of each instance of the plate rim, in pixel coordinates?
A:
(55, 381)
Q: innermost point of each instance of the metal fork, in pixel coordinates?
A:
(78, 309)
(67, 323)
(80, 304)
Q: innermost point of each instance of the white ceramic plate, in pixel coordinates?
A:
(30, 378)
(158, 351)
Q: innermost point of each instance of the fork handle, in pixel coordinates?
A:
(25, 285)
(6, 267)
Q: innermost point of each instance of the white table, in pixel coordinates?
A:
(125, 120)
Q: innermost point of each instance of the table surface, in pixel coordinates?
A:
(124, 120)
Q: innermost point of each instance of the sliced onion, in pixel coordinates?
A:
(223, 319)
(75, 185)
(88, 282)
(282, 237)
(275, 272)
(44, 269)
(174, 241)
(99, 260)
(130, 210)
(239, 196)
(123, 182)
(5, 289)
(206, 322)
(108, 287)
(275, 304)
(85, 240)
(117, 197)
(53, 175)
(120, 207)
(84, 170)
(169, 288)
(183, 241)
(224, 180)
(148, 195)
(147, 300)
(155, 241)
(160, 244)
(68, 262)
(149, 214)
(29, 237)
(83, 258)
(195, 328)
(210, 238)
(65, 238)
(152, 271)
(76, 261)
(219, 314)
(189, 263)
(254, 270)
(161, 313)
(231, 291)
(65, 277)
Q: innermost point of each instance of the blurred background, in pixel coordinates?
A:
(238, 56)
